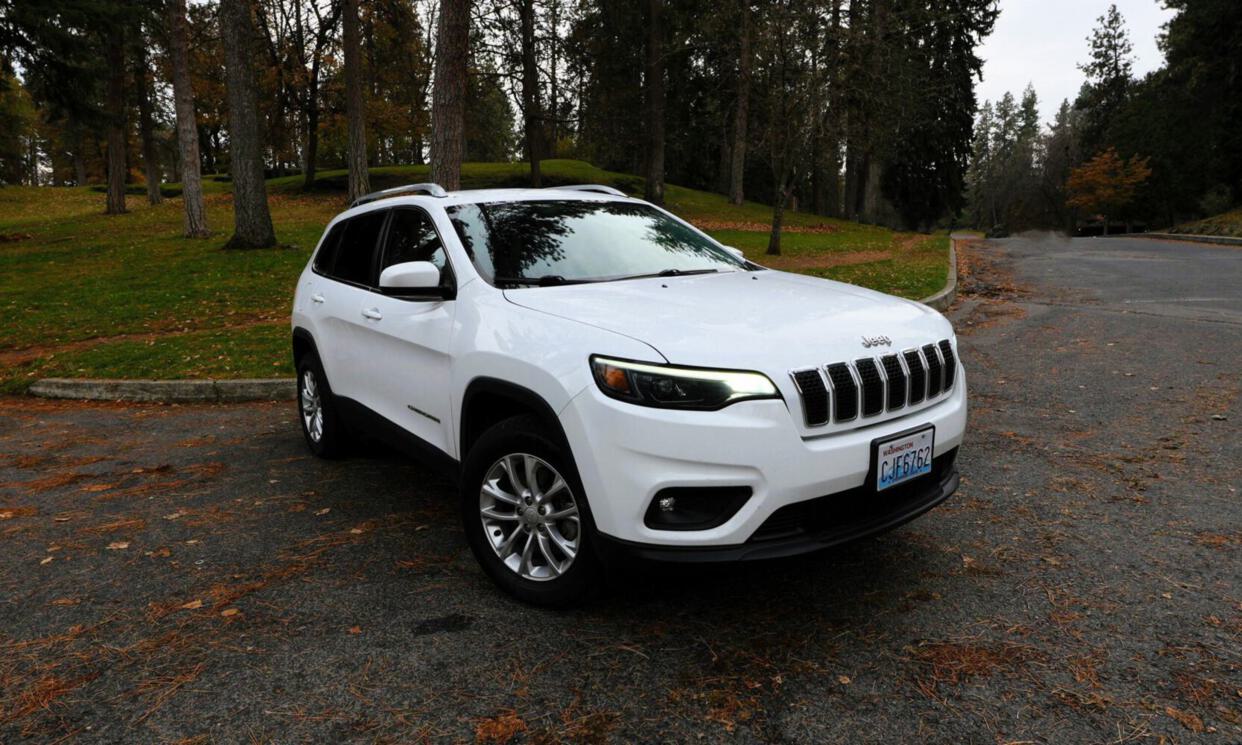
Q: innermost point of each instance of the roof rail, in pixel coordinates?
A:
(433, 190)
(598, 188)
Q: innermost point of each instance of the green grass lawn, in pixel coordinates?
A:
(90, 295)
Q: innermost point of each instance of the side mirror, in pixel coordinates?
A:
(736, 252)
(413, 279)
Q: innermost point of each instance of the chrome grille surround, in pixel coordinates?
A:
(841, 392)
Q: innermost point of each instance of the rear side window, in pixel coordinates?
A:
(412, 237)
(355, 250)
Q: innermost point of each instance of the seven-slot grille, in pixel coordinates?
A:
(867, 387)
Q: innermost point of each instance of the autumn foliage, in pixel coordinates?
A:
(1107, 183)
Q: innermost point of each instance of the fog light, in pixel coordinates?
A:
(694, 507)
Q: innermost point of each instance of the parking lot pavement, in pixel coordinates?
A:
(185, 572)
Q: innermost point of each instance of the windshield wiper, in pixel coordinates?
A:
(545, 280)
(685, 272)
(670, 273)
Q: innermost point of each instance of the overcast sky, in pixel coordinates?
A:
(1043, 41)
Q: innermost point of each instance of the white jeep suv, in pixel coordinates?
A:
(606, 381)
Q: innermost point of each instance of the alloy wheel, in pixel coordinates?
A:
(530, 517)
(312, 406)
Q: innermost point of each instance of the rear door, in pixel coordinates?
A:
(408, 337)
(339, 300)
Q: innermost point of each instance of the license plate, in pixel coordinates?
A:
(905, 457)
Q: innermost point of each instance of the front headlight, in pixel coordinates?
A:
(678, 387)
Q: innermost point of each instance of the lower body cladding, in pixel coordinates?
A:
(743, 482)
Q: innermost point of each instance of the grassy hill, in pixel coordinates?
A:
(1227, 224)
(90, 295)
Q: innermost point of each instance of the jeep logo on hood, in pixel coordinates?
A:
(876, 341)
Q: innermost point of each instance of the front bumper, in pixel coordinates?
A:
(626, 454)
(813, 525)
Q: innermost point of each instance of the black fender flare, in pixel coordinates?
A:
(303, 336)
(520, 395)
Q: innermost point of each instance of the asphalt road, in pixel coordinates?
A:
(172, 573)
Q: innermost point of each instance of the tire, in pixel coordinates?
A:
(325, 439)
(522, 524)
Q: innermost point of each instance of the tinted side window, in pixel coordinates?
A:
(356, 253)
(412, 237)
(326, 256)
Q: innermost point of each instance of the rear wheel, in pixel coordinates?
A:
(525, 515)
(320, 425)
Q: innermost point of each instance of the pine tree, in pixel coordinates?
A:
(1109, 76)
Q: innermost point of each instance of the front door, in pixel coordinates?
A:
(408, 338)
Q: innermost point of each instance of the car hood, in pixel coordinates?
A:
(763, 320)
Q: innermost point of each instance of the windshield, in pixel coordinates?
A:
(555, 242)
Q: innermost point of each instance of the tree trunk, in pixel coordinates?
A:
(872, 199)
(533, 124)
(355, 105)
(312, 131)
(552, 133)
(448, 98)
(741, 111)
(146, 127)
(79, 168)
(784, 187)
(252, 220)
(115, 54)
(654, 74)
(79, 161)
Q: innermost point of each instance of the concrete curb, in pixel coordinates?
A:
(167, 391)
(276, 389)
(1223, 240)
(943, 299)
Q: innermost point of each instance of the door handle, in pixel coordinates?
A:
(317, 298)
(372, 313)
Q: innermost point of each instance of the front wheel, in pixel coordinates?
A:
(526, 517)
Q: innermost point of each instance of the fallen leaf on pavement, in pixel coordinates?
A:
(66, 601)
(499, 729)
(193, 605)
(843, 680)
(355, 629)
(229, 612)
(1189, 720)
